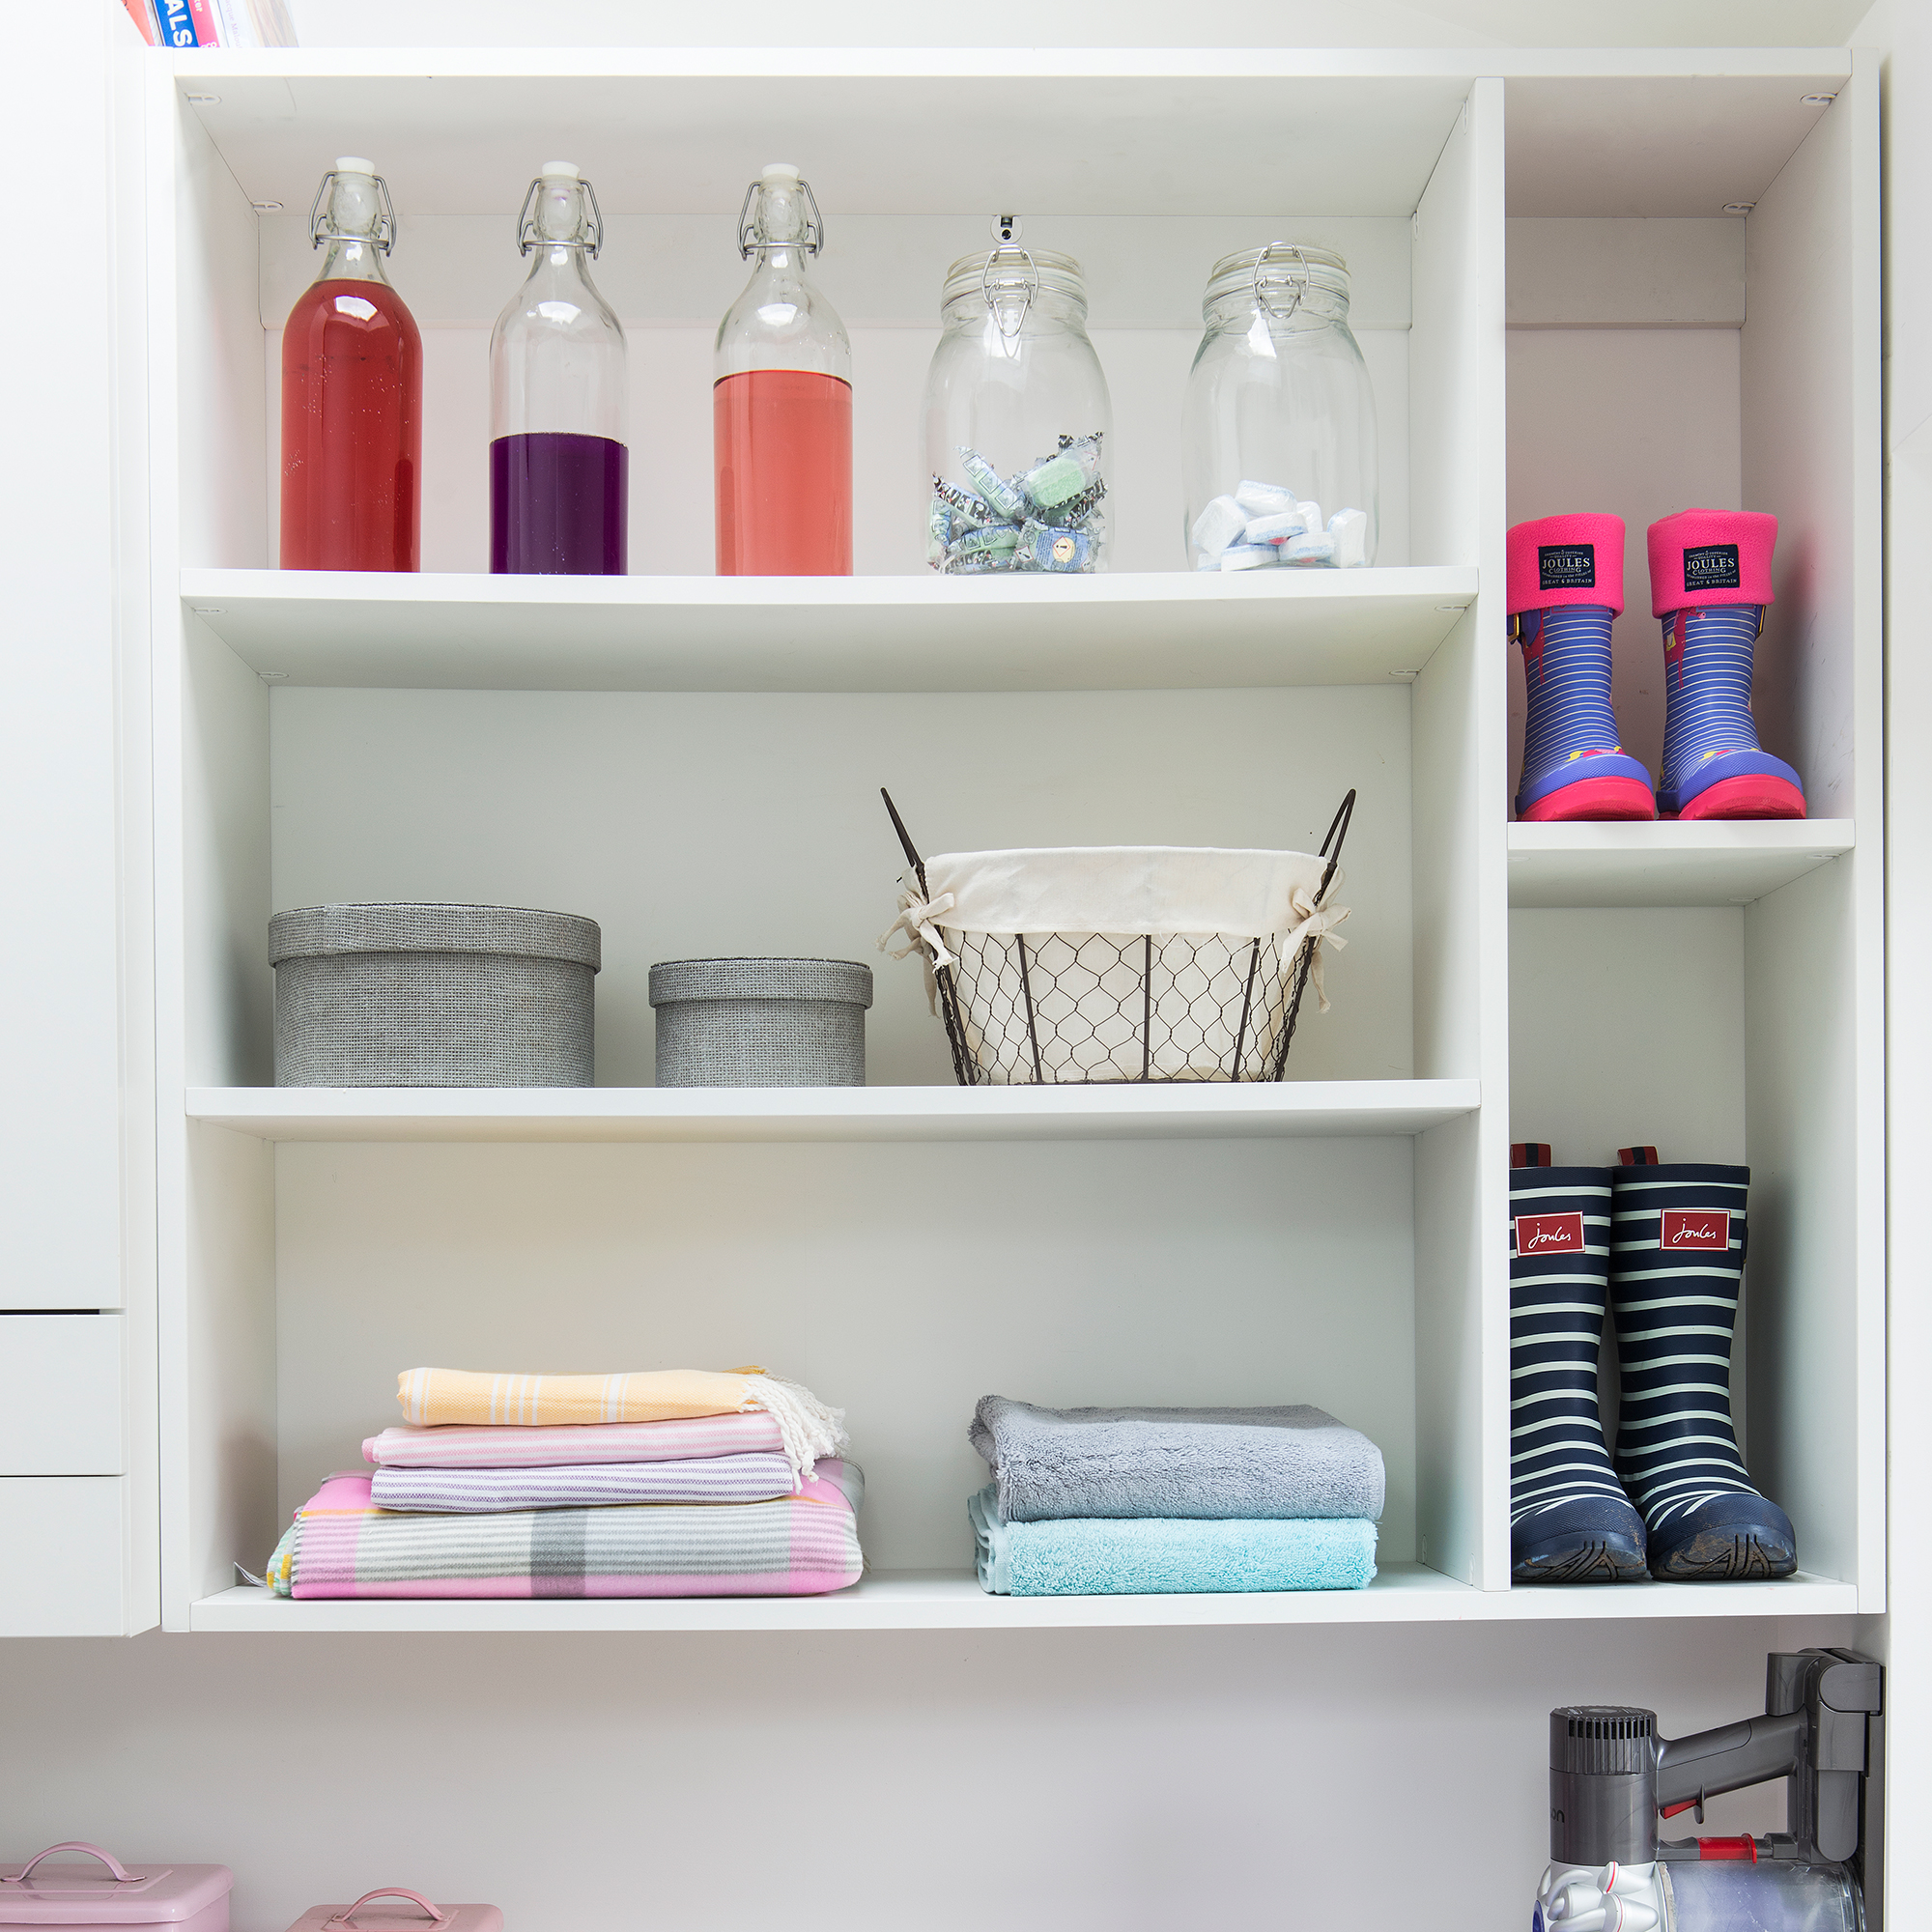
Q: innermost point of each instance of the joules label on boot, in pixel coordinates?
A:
(1566, 566)
(1698, 1228)
(1711, 567)
(1548, 1235)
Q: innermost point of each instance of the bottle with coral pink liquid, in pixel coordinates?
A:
(351, 393)
(782, 401)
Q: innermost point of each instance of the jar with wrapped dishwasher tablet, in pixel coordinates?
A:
(1017, 417)
(1279, 425)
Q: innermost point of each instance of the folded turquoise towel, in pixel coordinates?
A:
(1115, 1556)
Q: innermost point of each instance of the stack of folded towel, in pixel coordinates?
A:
(674, 1483)
(1094, 1502)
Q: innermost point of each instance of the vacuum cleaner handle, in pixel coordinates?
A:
(1689, 1770)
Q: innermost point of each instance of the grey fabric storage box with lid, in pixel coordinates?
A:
(761, 1022)
(426, 995)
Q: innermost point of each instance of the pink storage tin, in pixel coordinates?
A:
(91, 1890)
(416, 1915)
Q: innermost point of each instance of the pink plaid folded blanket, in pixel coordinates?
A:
(340, 1545)
(701, 1479)
(482, 1446)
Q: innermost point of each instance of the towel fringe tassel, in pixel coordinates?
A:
(807, 1427)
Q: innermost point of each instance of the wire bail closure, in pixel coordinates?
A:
(528, 236)
(1263, 281)
(383, 234)
(811, 241)
(1000, 305)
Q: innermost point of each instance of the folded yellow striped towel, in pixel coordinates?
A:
(431, 1398)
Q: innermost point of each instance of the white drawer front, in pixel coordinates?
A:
(62, 1408)
(61, 1541)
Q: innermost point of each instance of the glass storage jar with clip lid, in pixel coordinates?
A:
(1279, 425)
(1017, 417)
(559, 466)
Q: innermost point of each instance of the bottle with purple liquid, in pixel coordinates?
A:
(559, 472)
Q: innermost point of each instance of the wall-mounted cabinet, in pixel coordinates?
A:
(694, 762)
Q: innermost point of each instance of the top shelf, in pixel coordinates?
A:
(1159, 630)
(1146, 130)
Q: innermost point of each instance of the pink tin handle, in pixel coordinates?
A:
(107, 1859)
(344, 1918)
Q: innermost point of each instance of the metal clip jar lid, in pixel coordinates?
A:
(1280, 279)
(1010, 270)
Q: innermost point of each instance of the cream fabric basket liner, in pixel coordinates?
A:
(1202, 908)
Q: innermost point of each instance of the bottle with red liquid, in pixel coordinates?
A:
(559, 468)
(782, 404)
(352, 392)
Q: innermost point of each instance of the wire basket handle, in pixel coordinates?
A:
(1338, 832)
(905, 839)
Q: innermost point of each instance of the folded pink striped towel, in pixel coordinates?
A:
(340, 1545)
(482, 1446)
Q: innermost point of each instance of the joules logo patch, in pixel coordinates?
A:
(1707, 1228)
(1711, 567)
(1566, 566)
(1548, 1235)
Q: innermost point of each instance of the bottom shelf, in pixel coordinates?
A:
(953, 1599)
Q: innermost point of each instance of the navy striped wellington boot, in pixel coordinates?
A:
(1569, 1519)
(1678, 1244)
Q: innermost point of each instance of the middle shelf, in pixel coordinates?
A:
(1678, 863)
(1152, 631)
(1313, 1108)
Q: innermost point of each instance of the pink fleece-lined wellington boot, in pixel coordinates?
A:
(1710, 581)
(1566, 586)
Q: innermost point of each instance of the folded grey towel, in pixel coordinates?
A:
(1258, 1463)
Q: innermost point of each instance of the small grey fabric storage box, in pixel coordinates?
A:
(761, 1022)
(412, 995)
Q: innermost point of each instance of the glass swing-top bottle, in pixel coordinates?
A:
(559, 468)
(782, 401)
(352, 392)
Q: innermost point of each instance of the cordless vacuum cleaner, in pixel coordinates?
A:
(1611, 1775)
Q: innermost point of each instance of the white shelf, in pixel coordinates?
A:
(953, 1599)
(1156, 631)
(1667, 863)
(1332, 127)
(1161, 1112)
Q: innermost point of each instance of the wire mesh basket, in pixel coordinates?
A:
(1120, 964)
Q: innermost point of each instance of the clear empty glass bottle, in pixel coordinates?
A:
(1018, 421)
(1279, 426)
(782, 401)
(559, 467)
(352, 392)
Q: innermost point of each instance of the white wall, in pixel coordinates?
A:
(1097, 1781)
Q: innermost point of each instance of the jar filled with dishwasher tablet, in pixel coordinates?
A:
(1279, 424)
(1017, 417)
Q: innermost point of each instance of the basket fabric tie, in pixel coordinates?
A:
(1319, 926)
(916, 920)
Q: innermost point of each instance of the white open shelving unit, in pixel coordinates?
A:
(695, 763)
